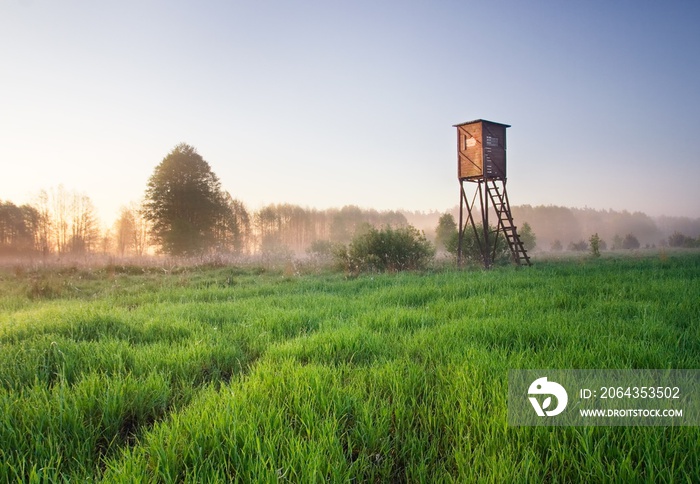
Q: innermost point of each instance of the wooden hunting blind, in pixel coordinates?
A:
(482, 149)
(481, 160)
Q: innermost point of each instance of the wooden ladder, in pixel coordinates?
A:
(499, 199)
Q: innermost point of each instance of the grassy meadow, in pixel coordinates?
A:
(205, 374)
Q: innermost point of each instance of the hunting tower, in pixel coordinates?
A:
(481, 160)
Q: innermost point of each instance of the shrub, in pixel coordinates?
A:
(386, 249)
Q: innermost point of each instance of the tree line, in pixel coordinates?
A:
(560, 228)
(185, 211)
(59, 221)
(563, 228)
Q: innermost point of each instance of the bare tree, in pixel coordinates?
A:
(141, 229)
(45, 223)
(84, 228)
(124, 231)
(66, 222)
(59, 213)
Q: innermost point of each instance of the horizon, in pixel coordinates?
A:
(106, 224)
(354, 104)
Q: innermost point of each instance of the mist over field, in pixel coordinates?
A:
(571, 225)
(61, 221)
(295, 228)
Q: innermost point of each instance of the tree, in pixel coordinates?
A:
(678, 239)
(594, 242)
(184, 203)
(232, 226)
(66, 221)
(322, 249)
(351, 220)
(18, 228)
(630, 242)
(141, 229)
(106, 242)
(60, 215)
(124, 231)
(580, 246)
(84, 231)
(527, 237)
(130, 230)
(44, 223)
(472, 245)
(445, 232)
(617, 242)
(268, 225)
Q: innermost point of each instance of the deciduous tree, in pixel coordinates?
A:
(18, 228)
(184, 202)
(124, 231)
(527, 237)
(630, 242)
(445, 232)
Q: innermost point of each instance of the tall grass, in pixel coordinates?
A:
(225, 374)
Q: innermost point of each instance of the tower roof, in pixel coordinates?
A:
(478, 121)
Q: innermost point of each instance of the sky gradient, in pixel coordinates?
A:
(328, 103)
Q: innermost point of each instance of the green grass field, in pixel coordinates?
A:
(134, 374)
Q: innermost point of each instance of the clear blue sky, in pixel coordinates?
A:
(328, 103)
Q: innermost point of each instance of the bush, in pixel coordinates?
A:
(386, 249)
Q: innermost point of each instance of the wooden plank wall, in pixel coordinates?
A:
(494, 136)
(470, 151)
